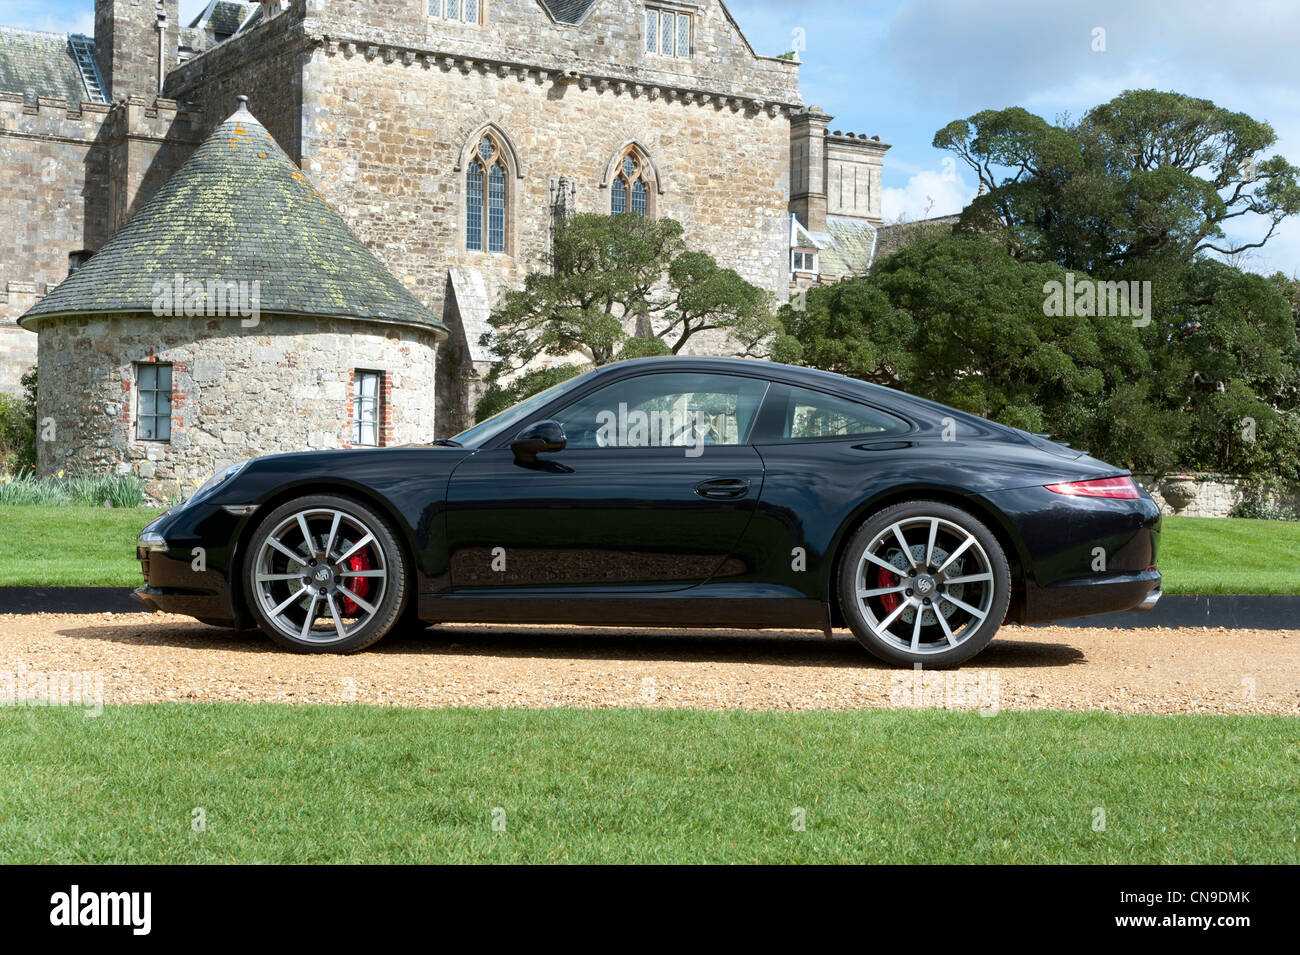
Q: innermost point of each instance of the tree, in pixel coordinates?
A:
(1147, 175)
(609, 274)
(1210, 384)
(18, 427)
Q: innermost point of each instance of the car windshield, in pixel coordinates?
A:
(502, 421)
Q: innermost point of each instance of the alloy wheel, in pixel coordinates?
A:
(320, 575)
(924, 585)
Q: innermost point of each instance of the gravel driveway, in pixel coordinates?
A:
(151, 657)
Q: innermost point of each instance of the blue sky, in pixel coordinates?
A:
(901, 69)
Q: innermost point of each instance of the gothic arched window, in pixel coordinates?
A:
(629, 192)
(485, 198)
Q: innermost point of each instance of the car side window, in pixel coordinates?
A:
(812, 414)
(665, 410)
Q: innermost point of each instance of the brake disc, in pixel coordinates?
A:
(899, 560)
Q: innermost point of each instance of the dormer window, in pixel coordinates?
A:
(803, 260)
(667, 32)
(466, 11)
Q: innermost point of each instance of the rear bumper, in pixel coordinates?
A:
(1086, 596)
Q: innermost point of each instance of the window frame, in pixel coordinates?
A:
(487, 203)
(155, 391)
(621, 181)
(769, 428)
(660, 12)
(437, 10)
(377, 412)
(745, 440)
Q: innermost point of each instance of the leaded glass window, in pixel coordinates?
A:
(485, 186)
(474, 206)
(628, 191)
(667, 33)
(496, 208)
(471, 11)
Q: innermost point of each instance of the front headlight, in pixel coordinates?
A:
(218, 479)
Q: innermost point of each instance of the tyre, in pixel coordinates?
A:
(924, 582)
(325, 574)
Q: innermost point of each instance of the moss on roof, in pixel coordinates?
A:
(239, 210)
(39, 64)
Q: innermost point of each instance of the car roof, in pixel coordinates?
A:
(928, 412)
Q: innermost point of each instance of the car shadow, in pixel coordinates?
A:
(775, 647)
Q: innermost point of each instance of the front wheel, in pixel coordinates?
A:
(325, 574)
(924, 582)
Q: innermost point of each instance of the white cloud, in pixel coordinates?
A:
(927, 194)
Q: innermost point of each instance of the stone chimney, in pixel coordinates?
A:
(808, 167)
(136, 43)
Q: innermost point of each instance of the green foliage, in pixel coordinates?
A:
(1209, 384)
(1145, 176)
(101, 490)
(1266, 501)
(498, 397)
(609, 273)
(18, 427)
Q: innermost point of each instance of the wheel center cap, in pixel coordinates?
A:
(323, 574)
(923, 585)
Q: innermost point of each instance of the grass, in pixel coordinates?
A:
(1210, 555)
(369, 784)
(95, 547)
(44, 546)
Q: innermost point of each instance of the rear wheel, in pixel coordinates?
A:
(924, 582)
(326, 575)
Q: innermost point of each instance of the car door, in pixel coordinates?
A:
(654, 489)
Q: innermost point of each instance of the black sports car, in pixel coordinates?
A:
(684, 492)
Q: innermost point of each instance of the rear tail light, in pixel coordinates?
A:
(1122, 487)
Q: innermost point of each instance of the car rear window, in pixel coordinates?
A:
(813, 414)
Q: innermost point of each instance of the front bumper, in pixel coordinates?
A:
(185, 557)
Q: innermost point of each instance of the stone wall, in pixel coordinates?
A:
(70, 174)
(237, 392)
(265, 64)
(1216, 496)
(385, 140)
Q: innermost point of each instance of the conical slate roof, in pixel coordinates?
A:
(239, 210)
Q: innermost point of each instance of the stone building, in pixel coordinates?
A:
(447, 133)
(235, 314)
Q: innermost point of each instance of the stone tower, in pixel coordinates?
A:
(136, 43)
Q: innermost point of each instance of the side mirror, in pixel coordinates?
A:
(536, 438)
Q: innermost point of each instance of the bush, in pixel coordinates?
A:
(18, 427)
(1265, 501)
(107, 490)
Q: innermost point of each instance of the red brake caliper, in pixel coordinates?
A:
(359, 585)
(885, 579)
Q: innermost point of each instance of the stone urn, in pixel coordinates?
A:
(1178, 492)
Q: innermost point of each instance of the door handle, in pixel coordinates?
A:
(723, 489)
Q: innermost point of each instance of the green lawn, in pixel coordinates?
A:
(370, 784)
(1209, 555)
(70, 546)
(95, 547)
